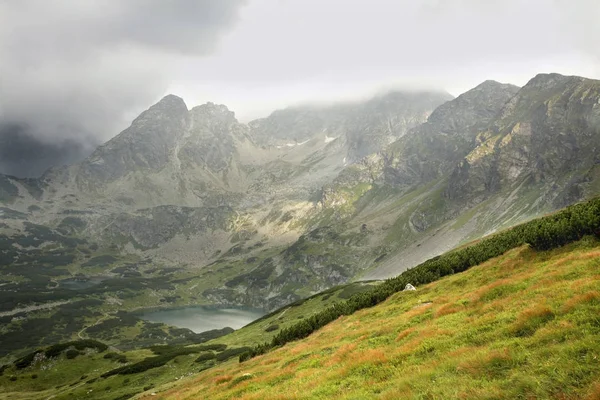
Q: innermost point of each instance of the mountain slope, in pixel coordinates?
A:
(459, 176)
(523, 325)
(509, 283)
(548, 133)
(266, 213)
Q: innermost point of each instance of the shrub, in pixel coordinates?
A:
(26, 361)
(205, 357)
(272, 328)
(55, 350)
(116, 357)
(555, 230)
(232, 353)
(141, 366)
(166, 354)
(71, 353)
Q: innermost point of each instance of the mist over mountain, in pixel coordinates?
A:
(303, 209)
(278, 200)
(27, 156)
(299, 199)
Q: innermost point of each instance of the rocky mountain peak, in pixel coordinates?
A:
(213, 111)
(474, 107)
(169, 110)
(170, 103)
(490, 86)
(145, 145)
(547, 80)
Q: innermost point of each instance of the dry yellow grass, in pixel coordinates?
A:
(524, 325)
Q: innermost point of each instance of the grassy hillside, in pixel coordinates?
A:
(484, 313)
(522, 325)
(98, 373)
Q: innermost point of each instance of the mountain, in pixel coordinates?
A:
(359, 128)
(195, 190)
(430, 149)
(494, 156)
(491, 319)
(547, 135)
(190, 207)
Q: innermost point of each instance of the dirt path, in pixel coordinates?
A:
(94, 324)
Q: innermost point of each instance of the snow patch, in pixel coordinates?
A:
(329, 139)
(291, 144)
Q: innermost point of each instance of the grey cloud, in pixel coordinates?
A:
(297, 51)
(24, 155)
(84, 69)
(71, 70)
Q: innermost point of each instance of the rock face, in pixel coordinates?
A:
(359, 128)
(145, 145)
(429, 150)
(309, 197)
(169, 155)
(549, 134)
(448, 135)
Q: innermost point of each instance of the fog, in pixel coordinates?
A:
(73, 74)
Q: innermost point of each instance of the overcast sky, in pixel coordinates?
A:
(81, 70)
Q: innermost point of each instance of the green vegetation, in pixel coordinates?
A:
(166, 353)
(158, 365)
(524, 325)
(121, 358)
(206, 356)
(256, 331)
(57, 349)
(544, 233)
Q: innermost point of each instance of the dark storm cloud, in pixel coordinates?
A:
(70, 70)
(27, 156)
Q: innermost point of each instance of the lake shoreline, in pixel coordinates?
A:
(201, 318)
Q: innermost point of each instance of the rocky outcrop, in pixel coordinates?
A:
(449, 134)
(359, 128)
(146, 145)
(311, 196)
(547, 135)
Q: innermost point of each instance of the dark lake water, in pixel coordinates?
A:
(204, 318)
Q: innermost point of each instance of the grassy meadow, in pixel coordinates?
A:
(525, 325)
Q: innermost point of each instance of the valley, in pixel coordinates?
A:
(489, 310)
(190, 215)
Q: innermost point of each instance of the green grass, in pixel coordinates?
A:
(256, 332)
(521, 321)
(523, 325)
(60, 371)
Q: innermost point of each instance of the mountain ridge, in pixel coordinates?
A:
(197, 190)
